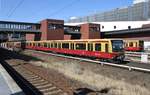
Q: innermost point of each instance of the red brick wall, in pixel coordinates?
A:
(44, 29)
(84, 31)
(49, 34)
(94, 34)
(87, 34)
(67, 37)
(30, 37)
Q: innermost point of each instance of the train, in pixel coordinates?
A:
(103, 49)
(134, 45)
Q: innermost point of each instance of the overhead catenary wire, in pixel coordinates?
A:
(0, 5)
(64, 7)
(15, 8)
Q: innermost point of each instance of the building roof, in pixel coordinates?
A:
(15, 22)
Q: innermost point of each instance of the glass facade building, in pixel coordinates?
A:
(137, 12)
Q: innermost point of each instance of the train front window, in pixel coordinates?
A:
(117, 45)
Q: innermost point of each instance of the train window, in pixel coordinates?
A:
(106, 48)
(48, 45)
(126, 45)
(90, 47)
(131, 44)
(65, 45)
(55, 45)
(72, 46)
(59, 45)
(97, 47)
(81, 46)
(38, 44)
(52, 45)
(136, 44)
(45, 44)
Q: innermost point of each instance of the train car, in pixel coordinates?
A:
(105, 49)
(14, 46)
(134, 45)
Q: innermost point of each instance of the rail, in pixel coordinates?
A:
(102, 63)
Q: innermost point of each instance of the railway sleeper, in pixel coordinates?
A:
(49, 89)
(43, 86)
(34, 79)
(54, 92)
(38, 81)
(40, 84)
(27, 76)
(25, 72)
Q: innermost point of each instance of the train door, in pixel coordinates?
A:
(59, 45)
(72, 46)
(90, 46)
(48, 45)
(45, 44)
(130, 44)
(106, 47)
(98, 47)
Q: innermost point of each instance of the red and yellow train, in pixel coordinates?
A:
(134, 45)
(105, 49)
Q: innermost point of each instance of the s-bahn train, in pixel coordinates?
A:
(105, 49)
(134, 45)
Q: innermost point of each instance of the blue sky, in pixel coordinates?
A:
(36, 10)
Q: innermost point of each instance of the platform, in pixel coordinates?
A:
(7, 85)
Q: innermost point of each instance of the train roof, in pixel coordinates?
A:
(76, 40)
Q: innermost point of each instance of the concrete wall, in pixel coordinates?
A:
(120, 25)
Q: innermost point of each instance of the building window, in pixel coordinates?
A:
(129, 27)
(55, 26)
(102, 27)
(94, 29)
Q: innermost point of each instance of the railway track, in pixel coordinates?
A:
(95, 67)
(129, 66)
(36, 80)
(136, 54)
(43, 85)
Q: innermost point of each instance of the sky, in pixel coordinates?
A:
(37, 10)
